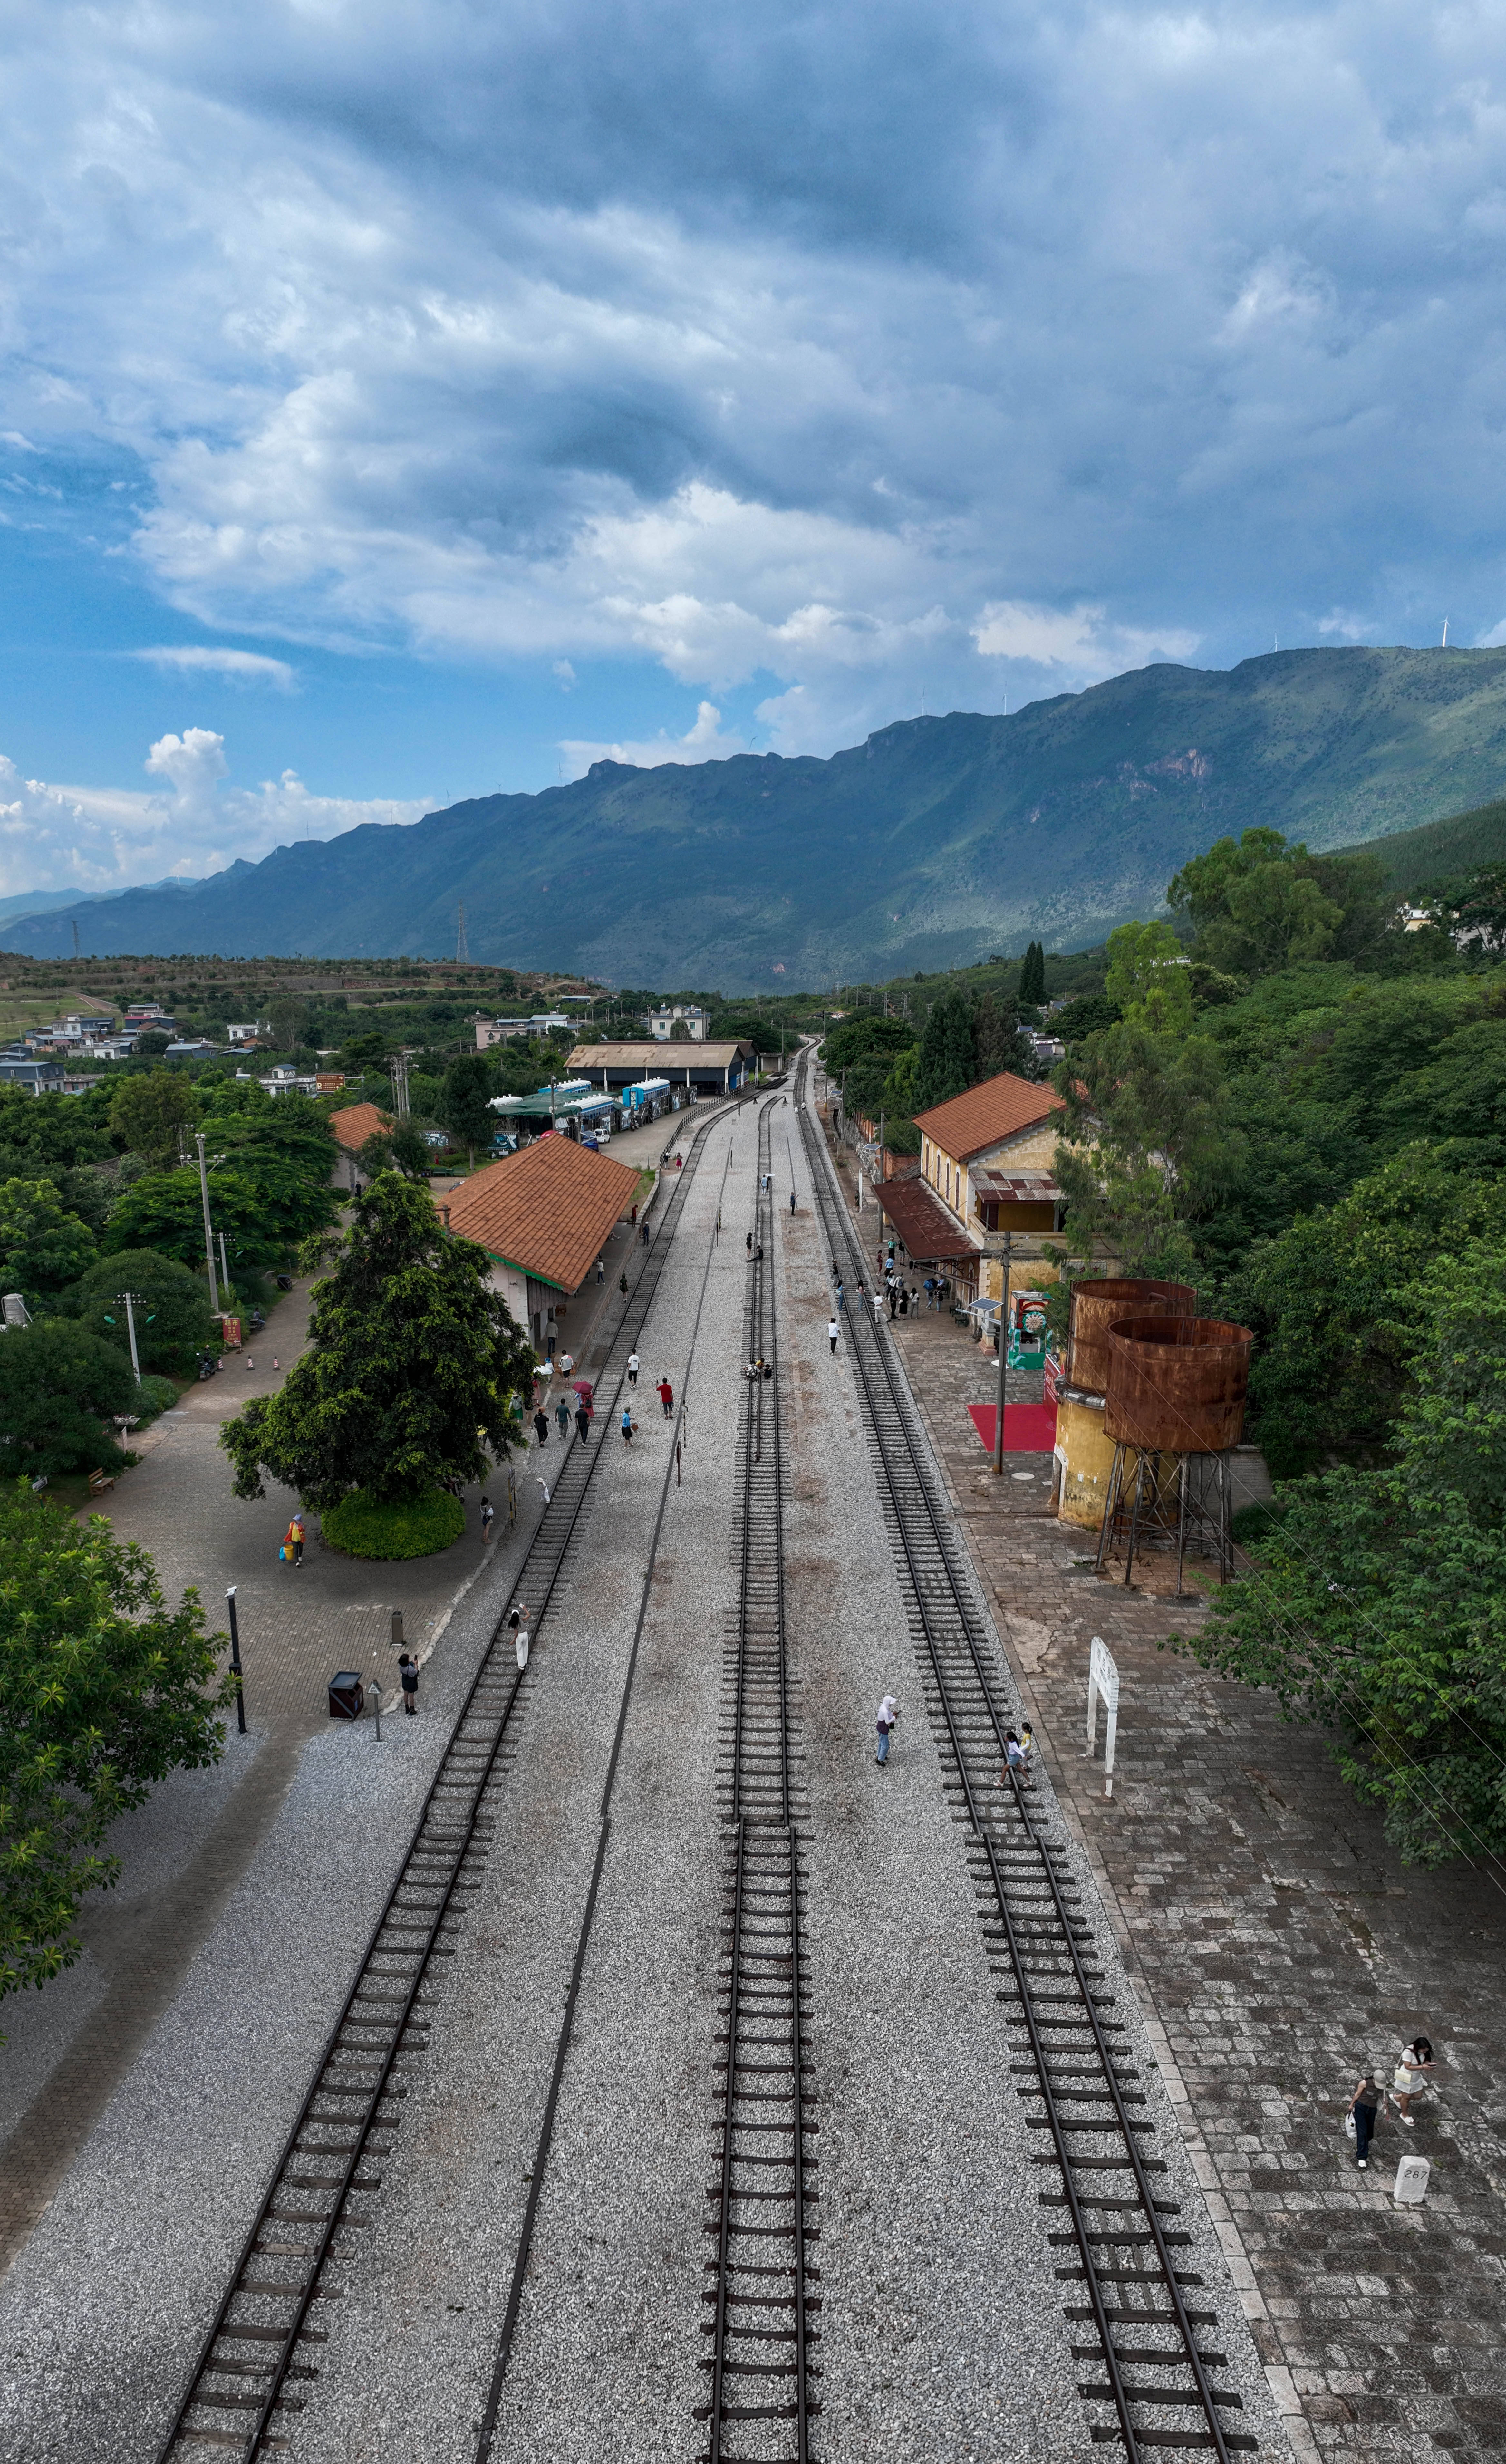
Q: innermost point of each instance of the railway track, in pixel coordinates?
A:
(761, 2307)
(256, 2367)
(1128, 2286)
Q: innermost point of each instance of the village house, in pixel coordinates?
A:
(986, 1189)
(351, 1128)
(543, 1216)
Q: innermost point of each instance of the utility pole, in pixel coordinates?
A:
(225, 1271)
(999, 1418)
(130, 1328)
(208, 1236)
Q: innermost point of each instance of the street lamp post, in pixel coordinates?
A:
(999, 1418)
(208, 1236)
(130, 1328)
(235, 1660)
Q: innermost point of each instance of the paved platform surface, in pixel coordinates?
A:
(1278, 1945)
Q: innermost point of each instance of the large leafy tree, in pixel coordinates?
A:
(1336, 1301)
(103, 1690)
(948, 1053)
(1150, 979)
(1378, 1605)
(60, 1389)
(148, 1112)
(413, 1367)
(267, 1206)
(43, 1245)
(1146, 1144)
(170, 1302)
(465, 1094)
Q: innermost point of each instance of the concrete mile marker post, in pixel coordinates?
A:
(1102, 1679)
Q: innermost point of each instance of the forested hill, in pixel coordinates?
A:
(932, 844)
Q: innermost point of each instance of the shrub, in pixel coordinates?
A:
(364, 1527)
(154, 1395)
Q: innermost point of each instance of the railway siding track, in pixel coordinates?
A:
(256, 2368)
(762, 2307)
(1150, 2379)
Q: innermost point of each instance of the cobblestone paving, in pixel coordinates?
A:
(1278, 1945)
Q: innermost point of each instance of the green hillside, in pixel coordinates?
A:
(935, 841)
(1441, 850)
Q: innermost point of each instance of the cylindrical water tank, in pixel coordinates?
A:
(1177, 1385)
(1097, 1302)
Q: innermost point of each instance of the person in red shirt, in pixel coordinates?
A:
(667, 1397)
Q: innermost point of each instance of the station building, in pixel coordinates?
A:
(703, 1068)
(543, 1217)
(986, 1190)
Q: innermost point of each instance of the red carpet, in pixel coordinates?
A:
(1028, 1428)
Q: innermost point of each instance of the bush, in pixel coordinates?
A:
(154, 1395)
(171, 1300)
(364, 1527)
(60, 1388)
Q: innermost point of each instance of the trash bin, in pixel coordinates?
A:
(348, 1695)
(1410, 2186)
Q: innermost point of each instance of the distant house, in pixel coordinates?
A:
(350, 1130)
(660, 1023)
(245, 1033)
(37, 1077)
(543, 1216)
(986, 1183)
(704, 1069)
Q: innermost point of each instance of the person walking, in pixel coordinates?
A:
(633, 1366)
(562, 1418)
(644, 1235)
(877, 1308)
(622, 1282)
(583, 1423)
(566, 1363)
(1413, 2070)
(408, 1674)
(292, 1541)
(489, 1515)
(665, 1394)
(626, 1424)
(1016, 1762)
(750, 1244)
(601, 1270)
(792, 1201)
(894, 1302)
(889, 1713)
(841, 1300)
(1364, 2106)
(833, 1330)
(541, 1426)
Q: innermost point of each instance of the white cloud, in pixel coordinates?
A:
(889, 353)
(703, 742)
(241, 666)
(106, 838)
(1079, 639)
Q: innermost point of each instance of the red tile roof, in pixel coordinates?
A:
(548, 1209)
(358, 1123)
(922, 1221)
(986, 1115)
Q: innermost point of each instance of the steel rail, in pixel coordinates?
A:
(765, 1837)
(457, 1770)
(904, 1482)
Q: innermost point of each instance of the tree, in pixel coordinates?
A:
(1146, 1145)
(465, 1098)
(999, 1046)
(1378, 1603)
(149, 1112)
(1150, 978)
(679, 1032)
(266, 1205)
(1263, 904)
(103, 1690)
(171, 1303)
(1033, 976)
(60, 1388)
(288, 1019)
(414, 1360)
(1335, 1302)
(42, 1245)
(949, 1058)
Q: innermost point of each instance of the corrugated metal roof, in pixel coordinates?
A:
(547, 1210)
(922, 1221)
(1001, 1108)
(657, 1056)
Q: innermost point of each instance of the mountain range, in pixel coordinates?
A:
(936, 842)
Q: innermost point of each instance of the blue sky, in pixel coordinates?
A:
(409, 400)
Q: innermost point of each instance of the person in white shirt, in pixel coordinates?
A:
(877, 1308)
(832, 1333)
(889, 1713)
(632, 1369)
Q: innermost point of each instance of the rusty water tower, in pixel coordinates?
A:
(1084, 1454)
(1174, 1411)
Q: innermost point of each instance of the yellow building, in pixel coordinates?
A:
(986, 1186)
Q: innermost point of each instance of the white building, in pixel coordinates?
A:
(660, 1023)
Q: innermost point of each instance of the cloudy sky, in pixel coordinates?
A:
(410, 399)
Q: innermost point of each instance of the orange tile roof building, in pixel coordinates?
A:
(352, 1126)
(543, 1216)
(986, 1183)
